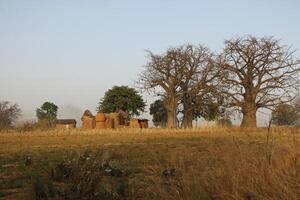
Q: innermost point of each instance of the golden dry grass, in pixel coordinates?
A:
(209, 163)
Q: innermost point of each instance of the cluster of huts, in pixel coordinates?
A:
(102, 121)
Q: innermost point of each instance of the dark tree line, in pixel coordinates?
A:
(251, 73)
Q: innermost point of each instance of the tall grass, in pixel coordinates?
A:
(208, 163)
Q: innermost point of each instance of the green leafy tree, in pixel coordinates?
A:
(159, 113)
(213, 110)
(207, 111)
(122, 98)
(47, 113)
(285, 114)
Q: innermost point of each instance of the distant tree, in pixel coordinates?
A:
(9, 113)
(47, 113)
(159, 113)
(258, 73)
(224, 121)
(213, 111)
(122, 98)
(208, 111)
(285, 114)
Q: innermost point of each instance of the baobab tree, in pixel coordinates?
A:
(164, 72)
(199, 83)
(182, 74)
(258, 73)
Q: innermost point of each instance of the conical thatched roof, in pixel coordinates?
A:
(87, 113)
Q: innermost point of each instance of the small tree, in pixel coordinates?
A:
(9, 113)
(208, 111)
(122, 98)
(213, 110)
(159, 113)
(285, 114)
(47, 113)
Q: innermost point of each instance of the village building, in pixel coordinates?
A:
(143, 123)
(110, 120)
(88, 120)
(138, 123)
(65, 123)
(100, 120)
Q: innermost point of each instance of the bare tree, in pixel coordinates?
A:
(199, 82)
(165, 73)
(183, 74)
(9, 113)
(258, 73)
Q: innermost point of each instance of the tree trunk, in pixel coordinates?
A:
(249, 116)
(187, 121)
(171, 107)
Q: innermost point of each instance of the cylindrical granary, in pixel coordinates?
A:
(134, 123)
(116, 118)
(100, 120)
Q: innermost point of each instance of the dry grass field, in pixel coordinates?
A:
(206, 163)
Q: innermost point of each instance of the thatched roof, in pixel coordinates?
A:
(66, 121)
(87, 113)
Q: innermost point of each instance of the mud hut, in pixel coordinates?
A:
(138, 123)
(143, 123)
(65, 123)
(134, 123)
(88, 120)
(116, 119)
(100, 120)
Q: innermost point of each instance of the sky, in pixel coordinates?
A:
(71, 52)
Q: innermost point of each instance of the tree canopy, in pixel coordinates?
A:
(47, 112)
(122, 98)
(159, 113)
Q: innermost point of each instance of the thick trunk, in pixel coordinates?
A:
(187, 121)
(171, 107)
(249, 116)
(171, 122)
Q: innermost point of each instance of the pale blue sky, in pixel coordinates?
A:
(71, 52)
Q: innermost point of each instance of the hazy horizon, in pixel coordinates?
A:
(71, 52)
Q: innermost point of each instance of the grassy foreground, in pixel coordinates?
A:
(207, 163)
